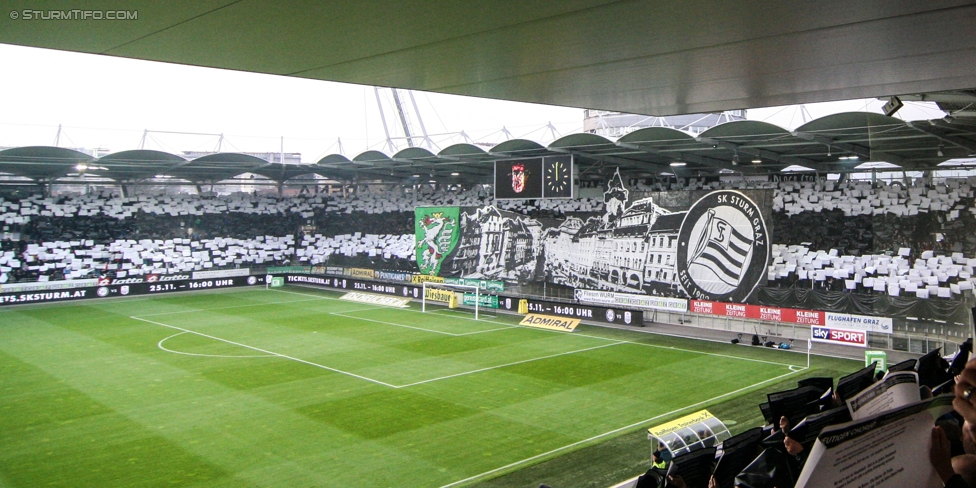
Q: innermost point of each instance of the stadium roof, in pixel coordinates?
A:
(633, 56)
(835, 143)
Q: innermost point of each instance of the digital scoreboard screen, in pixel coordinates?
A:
(549, 177)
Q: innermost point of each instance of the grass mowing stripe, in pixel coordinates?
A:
(274, 354)
(621, 429)
(343, 314)
(268, 423)
(465, 312)
(371, 380)
(393, 324)
(226, 308)
(510, 364)
(585, 335)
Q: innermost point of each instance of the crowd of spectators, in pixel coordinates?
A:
(73, 237)
(831, 235)
(776, 454)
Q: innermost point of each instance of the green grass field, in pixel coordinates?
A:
(292, 387)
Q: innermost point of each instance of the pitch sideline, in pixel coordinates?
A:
(605, 434)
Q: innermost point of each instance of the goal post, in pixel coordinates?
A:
(448, 294)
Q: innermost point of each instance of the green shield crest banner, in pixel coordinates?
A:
(437, 234)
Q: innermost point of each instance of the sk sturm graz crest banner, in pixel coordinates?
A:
(436, 236)
(723, 248)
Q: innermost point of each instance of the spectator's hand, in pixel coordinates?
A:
(678, 482)
(941, 454)
(835, 401)
(712, 482)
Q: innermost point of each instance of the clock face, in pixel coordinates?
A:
(558, 178)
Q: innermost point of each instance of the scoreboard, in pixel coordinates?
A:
(533, 178)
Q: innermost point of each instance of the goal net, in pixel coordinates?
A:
(451, 296)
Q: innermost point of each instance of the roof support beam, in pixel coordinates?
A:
(634, 163)
(762, 153)
(943, 135)
(693, 158)
(861, 151)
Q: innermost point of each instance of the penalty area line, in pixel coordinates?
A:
(509, 364)
(394, 324)
(612, 432)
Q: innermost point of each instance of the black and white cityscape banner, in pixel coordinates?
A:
(716, 248)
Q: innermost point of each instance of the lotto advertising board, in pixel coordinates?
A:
(583, 312)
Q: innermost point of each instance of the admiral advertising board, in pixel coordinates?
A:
(359, 273)
(552, 323)
(582, 312)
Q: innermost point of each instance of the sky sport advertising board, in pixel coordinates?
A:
(846, 337)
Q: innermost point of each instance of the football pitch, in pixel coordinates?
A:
(294, 387)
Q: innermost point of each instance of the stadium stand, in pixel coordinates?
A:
(856, 236)
(54, 238)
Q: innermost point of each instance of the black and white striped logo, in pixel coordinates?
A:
(723, 248)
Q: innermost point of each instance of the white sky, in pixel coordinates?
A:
(106, 102)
